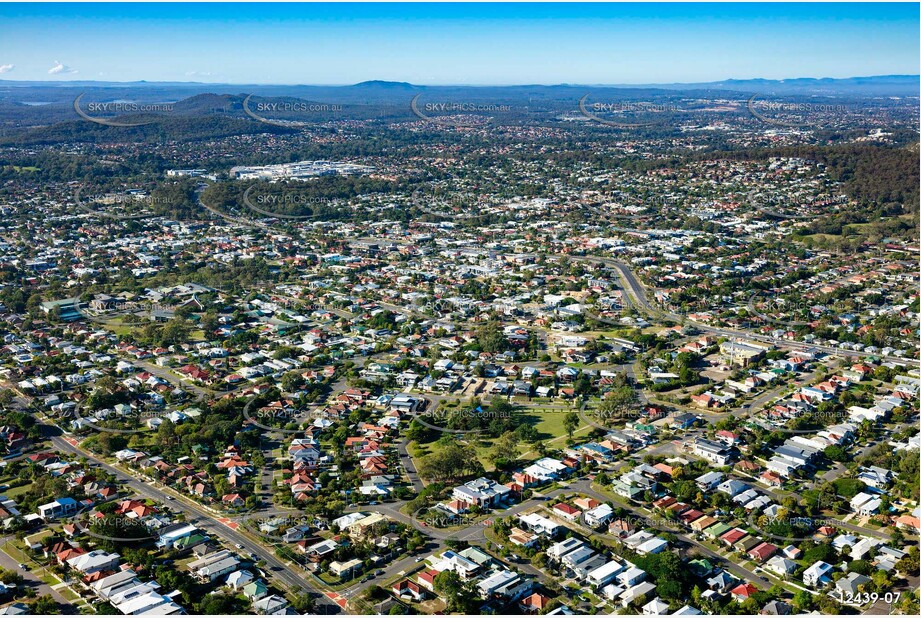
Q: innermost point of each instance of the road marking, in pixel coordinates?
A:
(337, 599)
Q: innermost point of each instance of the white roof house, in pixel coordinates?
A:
(603, 575)
(818, 574)
(94, 561)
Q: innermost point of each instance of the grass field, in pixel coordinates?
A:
(416, 451)
(19, 555)
(547, 421)
(16, 491)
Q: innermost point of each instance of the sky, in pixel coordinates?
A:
(472, 44)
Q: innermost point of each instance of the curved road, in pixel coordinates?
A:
(637, 290)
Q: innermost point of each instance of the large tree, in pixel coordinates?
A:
(505, 448)
(452, 462)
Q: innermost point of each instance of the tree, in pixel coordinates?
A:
(448, 584)
(618, 404)
(836, 453)
(417, 432)
(802, 600)
(166, 433)
(45, 605)
(505, 448)
(896, 537)
(571, 423)
(450, 463)
(304, 604)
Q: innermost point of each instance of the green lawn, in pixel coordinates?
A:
(550, 423)
(16, 491)
(19, 555)
(417, 451)
(547, 420)
(68, 594)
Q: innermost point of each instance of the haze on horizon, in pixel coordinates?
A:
(456, 44)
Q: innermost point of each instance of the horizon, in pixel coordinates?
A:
(77, 82)
(455, 45)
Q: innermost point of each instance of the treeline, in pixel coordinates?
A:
(884, 181)
(321, 197)
(164, 128)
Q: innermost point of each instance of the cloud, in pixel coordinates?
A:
(59, 69)
(6, 68)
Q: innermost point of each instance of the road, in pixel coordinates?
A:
(203, 519)
(289, 576)
(30, 580)
(638, 292)
(409, 466)
(584, 486)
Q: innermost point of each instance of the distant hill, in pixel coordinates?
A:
(43, 112)
(376, 83)
(893, 85)
(380, 91)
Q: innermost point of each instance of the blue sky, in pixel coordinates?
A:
(455, 43)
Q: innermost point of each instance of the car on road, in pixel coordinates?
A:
(379, 572)
(170, 498)
(23, 567)
(239, 546)
(420, 558)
